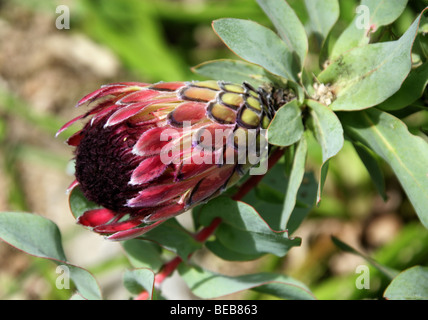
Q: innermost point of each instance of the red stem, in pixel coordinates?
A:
(206, 232)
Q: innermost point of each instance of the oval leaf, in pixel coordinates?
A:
(328, 132)
(286, 128)
(367, 76)
(288, 26)
(173, 237)
(371, 15)
(228, 254)
(323, 14)
(411, 90)
(294, 181)
(373, 168)
(41, 237)
(208, 285)
(79, 204)
(243, 230)
(411, 284)
(143, 254)
(236, 71)
(257, 44)
(389, 137)
(268, 198)
(139, 280)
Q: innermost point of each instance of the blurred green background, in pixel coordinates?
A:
(44, 71)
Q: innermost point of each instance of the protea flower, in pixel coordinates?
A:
(139, 156)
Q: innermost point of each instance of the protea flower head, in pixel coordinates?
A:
(152, 151)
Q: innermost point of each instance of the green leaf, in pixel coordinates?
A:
(170, 234)
(286, 128)
(323, 14)
(372, 166)
(41, 237)
(257, 44)
(32, 234)
(143, 254)
(236, 71)
(294, 181)
(411, 90)
(228, 254)
(389, 137)
(208, 285)
(371, 14)
(253, 243)
(411, 284)
(306, 198)
(288, 26)
(173, 237)
(268, 198)
(367, 76)
(79, 204)
(139, 280)
(328, 132)
(243, 230)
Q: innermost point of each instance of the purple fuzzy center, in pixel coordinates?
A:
(104, 164)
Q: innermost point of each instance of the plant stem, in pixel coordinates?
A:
(206, 232)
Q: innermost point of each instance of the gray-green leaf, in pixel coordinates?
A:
(258, 44)
(328, 132)
(370, 14)
(41, 237)
(294, 181)
(389, 137)
(243, 230)
(323, 14)
(411, 284)
(411, 90)
(286, 128)
(288, 26)
(236, 71)
(138, 280)
(368, 75)
(209, 285)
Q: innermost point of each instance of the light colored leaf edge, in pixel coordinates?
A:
(61, 262)
(253, 287)
(383, 156)
(152, 289)
(272, 78)
(411, 49)
(387, 293)
(294, 181)
(337, 53)
(281, 28)
(207, 222)
(325, 159)
(289, 76)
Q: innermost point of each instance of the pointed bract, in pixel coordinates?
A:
(152, 151)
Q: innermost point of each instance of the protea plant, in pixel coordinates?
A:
(152, 151)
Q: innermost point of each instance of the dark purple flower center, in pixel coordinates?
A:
(104, 164)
